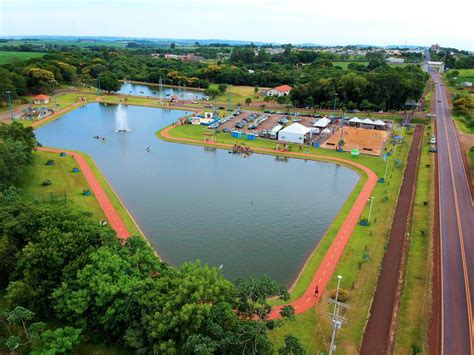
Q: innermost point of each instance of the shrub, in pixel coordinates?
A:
(46, 182)
(343, 295)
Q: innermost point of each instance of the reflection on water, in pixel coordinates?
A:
(256, 215)
(154, 91)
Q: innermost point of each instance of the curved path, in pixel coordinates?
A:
(110, 212)
(326, 269)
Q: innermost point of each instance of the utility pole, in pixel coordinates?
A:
(370, 208)
(10, 104)
(54, 92)
(337, 320)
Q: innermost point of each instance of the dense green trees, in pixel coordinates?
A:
(16, 143)
(109, 81)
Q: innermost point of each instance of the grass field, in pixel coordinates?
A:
(470, 156)
(73, 184)
(360, 262)
(7, 57)
(465, 75)
(415, 301)
(63, 181)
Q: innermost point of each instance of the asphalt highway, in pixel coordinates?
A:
(456, 220)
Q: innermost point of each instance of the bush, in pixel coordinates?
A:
(46, 182)
(343, 295)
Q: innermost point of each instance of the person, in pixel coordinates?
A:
(316, 291)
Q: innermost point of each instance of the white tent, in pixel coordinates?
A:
(367, 121)
(379, 123)
(322, 122)
(355, 120)
(326, 131)
(294, 133)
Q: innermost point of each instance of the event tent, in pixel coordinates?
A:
(379, 123)
(355, 120)
(294, 133)
(322, 122)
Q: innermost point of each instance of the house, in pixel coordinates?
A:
(41, 99)
(467, 84)
(296, 133)
(282, 90)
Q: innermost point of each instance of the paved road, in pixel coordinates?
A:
(456, 219)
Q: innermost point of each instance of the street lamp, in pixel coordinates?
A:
(370, 208)
(10, 104)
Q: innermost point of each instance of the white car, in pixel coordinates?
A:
(433, 140)
(430, 115)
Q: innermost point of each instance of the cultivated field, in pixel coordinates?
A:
(7, 57)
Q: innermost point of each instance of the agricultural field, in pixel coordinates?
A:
(7, 57)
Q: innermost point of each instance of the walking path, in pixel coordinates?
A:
(380, 331)
(110, 212)
(326, 269)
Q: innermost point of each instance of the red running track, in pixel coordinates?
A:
(326, 269)
(110, 212)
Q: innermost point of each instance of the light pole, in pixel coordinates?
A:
(336, 322)
(10, 104)
(370, 208)
(54, 92)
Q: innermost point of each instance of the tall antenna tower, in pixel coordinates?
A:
(337, 320)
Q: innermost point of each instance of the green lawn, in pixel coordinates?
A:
(361, 260)
(73, 184)
(470, 156)
(416, 295)
(64, 181)
(8, 57)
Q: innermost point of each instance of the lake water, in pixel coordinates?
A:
(154, 91)
(254, 215)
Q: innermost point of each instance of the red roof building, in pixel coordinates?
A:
(41, 99)
(281, 90)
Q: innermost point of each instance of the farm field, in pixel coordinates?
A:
(7, 57)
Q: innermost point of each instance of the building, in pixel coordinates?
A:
(435, 48)
(282, 90)
(467, 84)
(41, 99)
(296, 133)
(393, 60)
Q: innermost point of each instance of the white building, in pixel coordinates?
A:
(282, 90)
(393, 60)
(296, 133)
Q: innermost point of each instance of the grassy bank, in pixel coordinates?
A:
(70, 185)
(361, 260)
(412, 327)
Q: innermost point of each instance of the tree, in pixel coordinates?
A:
(255, 90)
(173, 45)
(109, 81)
(376, 60)
(248, 101)
(222, 88)
(292, 346)
(58, 341)
(39, 80)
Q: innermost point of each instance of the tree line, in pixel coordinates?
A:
(69, 281)
(311, 73)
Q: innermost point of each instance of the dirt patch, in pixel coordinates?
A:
(378, 337)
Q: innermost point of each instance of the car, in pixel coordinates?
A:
(296, 120)
(433, 149)
(433, 140)
(283, 120)
(239, 125)
(430, 115)
(439, 100)
(253, 126)
(226, 130)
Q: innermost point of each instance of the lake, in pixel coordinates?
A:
(255, 215)
(154, 91)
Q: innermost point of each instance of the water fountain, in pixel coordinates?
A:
(121, 120)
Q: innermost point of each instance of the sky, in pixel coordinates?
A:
(343, 22)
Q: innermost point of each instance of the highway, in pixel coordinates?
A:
(456, 222)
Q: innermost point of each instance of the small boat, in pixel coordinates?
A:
(142, 92)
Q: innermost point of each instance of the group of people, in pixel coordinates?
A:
(237, 148)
